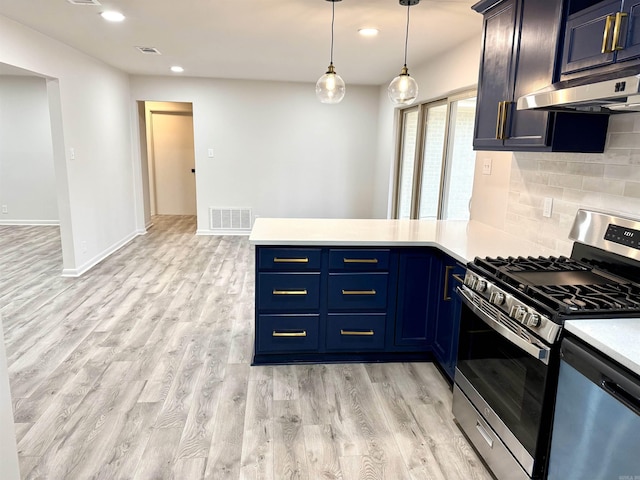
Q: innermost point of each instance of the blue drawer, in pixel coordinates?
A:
(287, 259)
(287, 333)
(358, 291)
(358, 259)
(355, 333)
(287, 292)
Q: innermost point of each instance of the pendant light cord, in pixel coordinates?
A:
(406, 38)
(333, 18)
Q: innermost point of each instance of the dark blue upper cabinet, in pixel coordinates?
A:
(588, 37)
(601, 37)
(496, 74)
(631, 45)
(519, 56)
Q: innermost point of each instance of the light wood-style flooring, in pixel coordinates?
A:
(140, 369)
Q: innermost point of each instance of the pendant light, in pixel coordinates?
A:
(330, 87)
(403, 90)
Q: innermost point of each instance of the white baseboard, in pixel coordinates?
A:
(223, 232)
(76, 272)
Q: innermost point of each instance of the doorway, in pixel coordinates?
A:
(171, 158)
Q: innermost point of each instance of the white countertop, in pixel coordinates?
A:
(460, 239)
(616, 338)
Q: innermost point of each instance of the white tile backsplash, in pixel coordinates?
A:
(609, 181)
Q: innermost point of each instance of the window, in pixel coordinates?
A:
(436, 161)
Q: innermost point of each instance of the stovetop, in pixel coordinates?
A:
(563, 285)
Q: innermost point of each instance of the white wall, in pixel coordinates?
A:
(27, 177)
(276, 148)
(453, 71)
(99, 196)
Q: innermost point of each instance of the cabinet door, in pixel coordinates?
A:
(632, 36)
(536, 61)
(496, 72)
(585, 45)
(416, 302)
(445, 345)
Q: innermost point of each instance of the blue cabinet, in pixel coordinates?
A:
(416, 299)
(445, 345)
(354, 304)
(519, 55)
(601, 35)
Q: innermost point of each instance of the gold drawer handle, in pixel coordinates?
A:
(358, 292)
(607, 33)
(360, 260)
(361, 333)
(615, 44)
(290, 260)
(290, 292)
(301, 333)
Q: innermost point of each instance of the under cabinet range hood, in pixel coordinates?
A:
(611, 94)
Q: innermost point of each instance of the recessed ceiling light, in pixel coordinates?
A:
(112, 16)
(368, 32)
(177, 69)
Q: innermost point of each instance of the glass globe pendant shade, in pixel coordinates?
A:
(330, 87)
(403, 90)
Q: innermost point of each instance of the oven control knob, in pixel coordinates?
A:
(482, 286)
(470, 281)
(497, 298)
(519, 313)
(533, 320)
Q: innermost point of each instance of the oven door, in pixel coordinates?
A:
(503, 372)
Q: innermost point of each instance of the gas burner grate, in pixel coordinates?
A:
(531, 264)
(609, 297)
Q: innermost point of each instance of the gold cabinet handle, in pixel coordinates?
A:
(358, 292)
(290, 260)
(290, 292)
(357, 333)
(360, 260)
(445, 295)
(503, 127)
(300, 333)
(458, 278)
(607, 34)
(499, 121)
(615, 44)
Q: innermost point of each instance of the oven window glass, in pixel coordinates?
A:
(511, 381)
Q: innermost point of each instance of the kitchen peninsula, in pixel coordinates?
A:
(331, 290)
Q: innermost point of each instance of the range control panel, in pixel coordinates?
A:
(624, 236)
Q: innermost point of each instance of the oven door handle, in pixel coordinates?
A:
(539, 352)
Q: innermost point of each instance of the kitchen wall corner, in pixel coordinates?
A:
(490, 191)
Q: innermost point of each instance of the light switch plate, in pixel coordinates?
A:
(486, 166)
(210, 153)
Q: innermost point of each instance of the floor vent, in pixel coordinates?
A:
(230, 221)
(149, 50)
(84, 2)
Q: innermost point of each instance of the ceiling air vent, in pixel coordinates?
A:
(84, 2)
(149, 50)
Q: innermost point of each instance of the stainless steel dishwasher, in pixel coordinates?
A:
(597, 418)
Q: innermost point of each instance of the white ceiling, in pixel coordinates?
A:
(254, 39)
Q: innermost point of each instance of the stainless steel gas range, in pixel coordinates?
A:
(513, 310)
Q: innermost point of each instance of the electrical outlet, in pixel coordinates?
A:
(486, 166)
(547, 207)
(72, 153)
(5, 209)
(83, 247)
